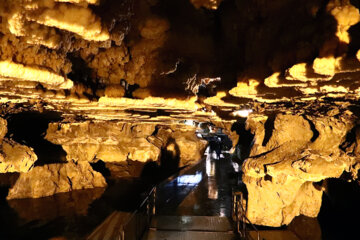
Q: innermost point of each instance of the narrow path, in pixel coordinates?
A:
(197, 204)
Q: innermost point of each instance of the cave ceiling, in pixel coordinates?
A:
(166, 61)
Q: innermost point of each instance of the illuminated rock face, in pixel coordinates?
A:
(110, 142)
(50, 179)
(14, 157)
(290, 156)
(120, 142)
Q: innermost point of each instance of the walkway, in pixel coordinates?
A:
(196, 205)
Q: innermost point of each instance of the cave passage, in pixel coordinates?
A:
(100, 105)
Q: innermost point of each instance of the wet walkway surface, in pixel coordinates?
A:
(204, 190)
(196, 204)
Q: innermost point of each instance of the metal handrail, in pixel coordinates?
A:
(150, 203)
(240, 216)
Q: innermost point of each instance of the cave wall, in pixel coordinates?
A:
(120, 145)
(290, 157)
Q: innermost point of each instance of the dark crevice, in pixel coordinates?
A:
(313, 129)
(269, 128)
(29, 128)
(350, 139)
(341, 202)
(100, 167)
(264, 153)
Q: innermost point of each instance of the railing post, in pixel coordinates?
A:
(154, 202)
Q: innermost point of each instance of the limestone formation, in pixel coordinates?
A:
(50, 179)
(120, 142)
(291, 155)
(3, 129)
(110, 142)
(15, 157)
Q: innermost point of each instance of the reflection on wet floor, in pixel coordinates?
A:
(70, 215)
(196, 204)
(206, 191)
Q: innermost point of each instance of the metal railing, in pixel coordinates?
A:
(239, 216)
(140, 219)
(132, 226)
(125, 225)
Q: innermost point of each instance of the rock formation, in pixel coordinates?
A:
(14, 157)
(50, 179)
(119, 144)
(290, 157)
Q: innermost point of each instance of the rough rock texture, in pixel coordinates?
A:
(126, 168)
(290, 156)
(14, 157)
(110, 142)
(3, 129)
(56, 178)
(190, 147)
(119, 143)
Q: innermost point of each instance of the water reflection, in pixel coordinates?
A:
(208, 195)
(58, 205)
(211, 181)
(189, 179)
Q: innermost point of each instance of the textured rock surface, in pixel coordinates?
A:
(56, 178)
(110, 142)
(3, 129)
(15, 157)
(288, 160)
(123, 142)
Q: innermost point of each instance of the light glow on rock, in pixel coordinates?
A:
(242, 113)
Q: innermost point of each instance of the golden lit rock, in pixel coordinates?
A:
(274, 81)
(282, 170)
(3, 129)
(15, 157)
(120, 142)
(50, 179)
(245, 89)
(325, 66)
(74, 19)
(110, 142)
(15, 71)
(346, 16)
(114, 91)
